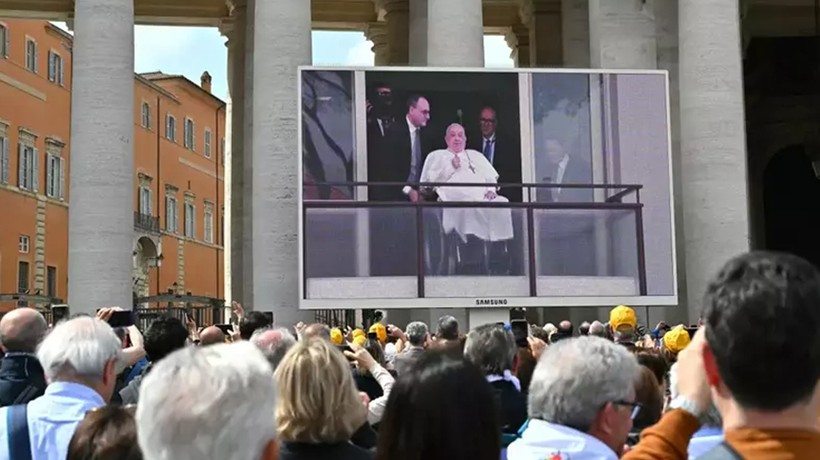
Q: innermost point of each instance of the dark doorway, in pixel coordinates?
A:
(791, 197)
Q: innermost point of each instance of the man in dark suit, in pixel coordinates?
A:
(393, 232)
(503, 153)
(380, 119)
(405, 148)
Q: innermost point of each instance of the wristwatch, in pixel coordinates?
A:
(687, 405)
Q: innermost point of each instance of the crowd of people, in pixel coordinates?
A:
(742, 384)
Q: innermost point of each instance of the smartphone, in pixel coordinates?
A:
(59, 313)
(521, 330)
(123, 318)
(372, 336)
(692, 331)
(268, 317)
(225, 328)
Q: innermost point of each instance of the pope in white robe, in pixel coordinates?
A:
(459, 165)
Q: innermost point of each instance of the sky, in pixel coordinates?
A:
(190, 51)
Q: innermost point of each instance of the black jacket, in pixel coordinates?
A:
(21, 379)
(389, 160)
(513, 405)
(506, 161)
(340, 451)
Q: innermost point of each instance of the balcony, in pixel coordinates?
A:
(146, 223)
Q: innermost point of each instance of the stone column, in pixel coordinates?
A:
(713, 146)
(281, 44)
(417, 52)
(100, 219)
(396, 15)
(575, 33)
(377, 33)
(460, 25)
(236, 32)
(247, 159)
(622, 34)
(543, 17)
(518, 39)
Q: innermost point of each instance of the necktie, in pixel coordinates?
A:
(415, 157)
(488, 149)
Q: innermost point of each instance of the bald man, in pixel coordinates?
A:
(21, 376)
(597, 329)
(211, 335)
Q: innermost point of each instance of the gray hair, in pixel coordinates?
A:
(597, 329)
(575, 378)
(447, 328)
(491, 347)
(711, 417)
(629, 336)
(79, 347)
(274, 343)
(208, 403)
(416, 333)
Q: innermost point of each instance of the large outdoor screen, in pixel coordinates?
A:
(427, 188)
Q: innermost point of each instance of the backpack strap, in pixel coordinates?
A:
(17, 425)
(722, 451)
(29, 392)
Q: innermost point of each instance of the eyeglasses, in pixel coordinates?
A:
(636, 407)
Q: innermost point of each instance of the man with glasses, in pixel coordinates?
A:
(581, 402)
(502, 152)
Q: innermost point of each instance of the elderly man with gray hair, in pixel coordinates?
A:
(221, 405)
(79, 358)
(418, 336)
(492, 348)
(274, 343)
(581, 402)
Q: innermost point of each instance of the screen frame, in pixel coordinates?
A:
(525, 86)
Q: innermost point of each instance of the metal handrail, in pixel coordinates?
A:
(632, 187)
(529, 207)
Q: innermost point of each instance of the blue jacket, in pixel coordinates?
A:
(20, 372)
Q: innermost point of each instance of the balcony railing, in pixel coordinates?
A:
(146, 222)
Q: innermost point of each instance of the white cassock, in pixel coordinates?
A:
(489, 224)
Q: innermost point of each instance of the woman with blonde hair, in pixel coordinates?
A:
(319, 408)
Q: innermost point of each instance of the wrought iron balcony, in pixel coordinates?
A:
(146, 222)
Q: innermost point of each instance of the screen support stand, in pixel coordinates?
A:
(479, 316)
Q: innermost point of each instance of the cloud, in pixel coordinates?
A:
(361, 54)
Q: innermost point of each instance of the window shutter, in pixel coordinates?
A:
(4, 161)
(193, 136)
(35, 57)
(62, 72)
(61, 185)
(51, 67)
(21, 170)
(167, 126)
(35, 172)
(50, 189)
(6, 34)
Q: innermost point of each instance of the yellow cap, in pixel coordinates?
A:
(336, 336)
(360, 340)
(676, 339)
(359, 332)
(622, 318)
(380, 331)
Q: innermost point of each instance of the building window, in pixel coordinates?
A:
(51, 281)
(56, 73)
(146, 115)
(23, 244)
(190, 138)
(170, 127)
(5, 164)
(145, 201)
(209, 224)
(4, 41)
(190, 220)
(55, 176)
(22, 276)
(31, 55)
(207, 143)
(171, 215)
(27, 168)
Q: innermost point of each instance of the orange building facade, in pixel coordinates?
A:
(178, 172)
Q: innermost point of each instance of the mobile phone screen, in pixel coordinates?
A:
(59, 313)
(520, 330)
(123, 318)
